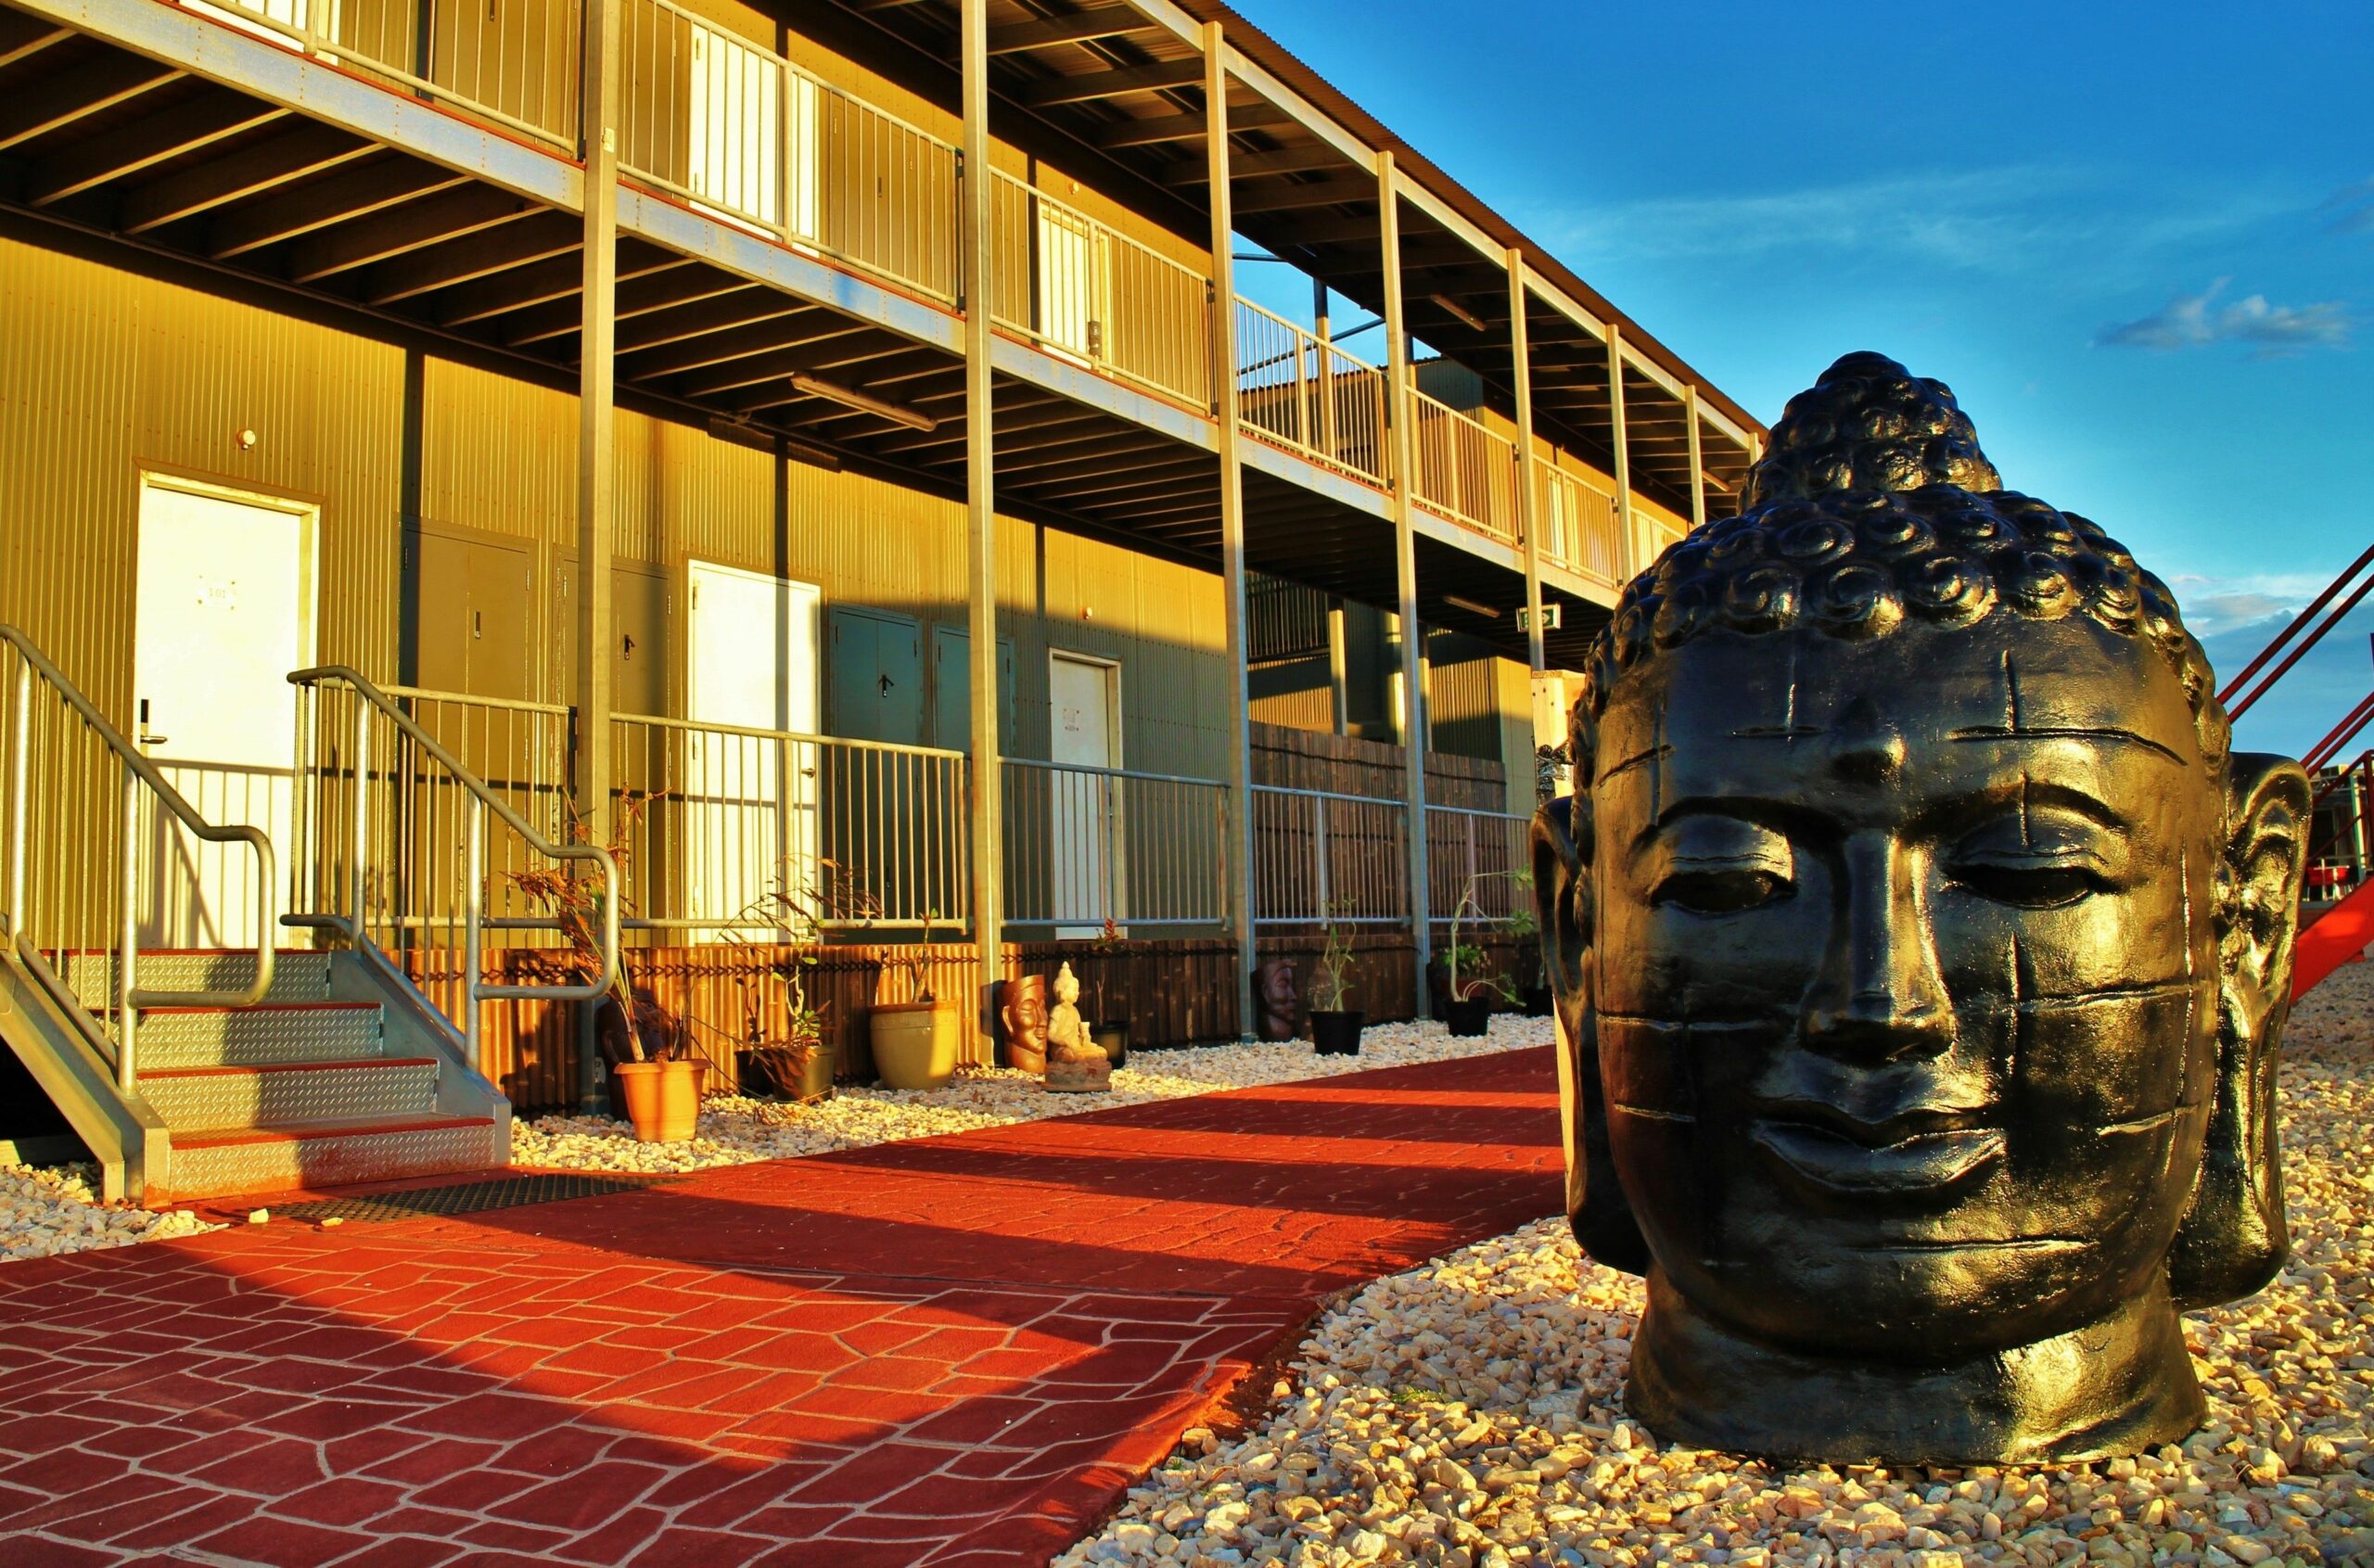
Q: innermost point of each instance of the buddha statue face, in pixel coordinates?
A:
(1022, 1016)
(1920, 951)
(1281, 1010)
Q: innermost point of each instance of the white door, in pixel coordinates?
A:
(224, 612)
(735, 147)
(749, 798)
(1071, 282)
(1085, 810)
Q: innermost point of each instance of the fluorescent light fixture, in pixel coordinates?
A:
(864, 403)
(1474, 321)
(1470, 606)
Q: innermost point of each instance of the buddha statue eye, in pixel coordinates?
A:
(1724, 890)
(2033, 885)
(2040, 860)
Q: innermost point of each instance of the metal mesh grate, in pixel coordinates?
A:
(471, 1197)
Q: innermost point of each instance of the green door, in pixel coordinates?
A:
(951, 690)
(874, 676)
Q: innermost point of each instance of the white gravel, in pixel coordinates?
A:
(735, 1129)
(1470, 1413)
(45, 1210)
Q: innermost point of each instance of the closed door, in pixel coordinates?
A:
(223, 614)
(1084, 812)
(1070, 283)
(748, 805)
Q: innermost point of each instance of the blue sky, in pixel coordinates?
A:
(2136, 241)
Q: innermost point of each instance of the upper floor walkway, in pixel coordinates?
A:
(789, 266)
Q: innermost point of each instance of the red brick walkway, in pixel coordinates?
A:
(952, 1351)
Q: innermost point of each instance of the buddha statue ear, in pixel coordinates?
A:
(2233, 1239)
(1596, 1206)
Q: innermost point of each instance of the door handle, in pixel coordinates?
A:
(146, 738)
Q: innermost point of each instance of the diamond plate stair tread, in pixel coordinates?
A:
(272, 1034)
(243, 1160)
(292, 1094)
(297, 974)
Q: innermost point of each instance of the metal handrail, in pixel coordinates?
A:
(137, 770)
(482, 799)
(1112, 772)
(706, 727)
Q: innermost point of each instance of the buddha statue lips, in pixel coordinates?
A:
(1920, 952)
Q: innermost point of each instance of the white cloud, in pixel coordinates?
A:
(2191, 320)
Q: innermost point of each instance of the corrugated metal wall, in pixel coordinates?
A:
(104, 372)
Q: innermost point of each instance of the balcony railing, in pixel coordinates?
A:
(1087, 846)
(1319, 855)
(1310, 396)
(1083, 291)
(512, 61)
(1465, 472)
(718, 819)
(1580, 530)
(744, 133)
(1490, 850)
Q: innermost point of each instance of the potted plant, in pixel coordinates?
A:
(1334, 1029)
(914, 1042)
(1467, 1002)
(1110, 1034)
(1525, 928)
(649, 1057)
(791, 1058)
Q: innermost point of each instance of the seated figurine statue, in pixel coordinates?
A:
(1922, 952)
(1076, 1064)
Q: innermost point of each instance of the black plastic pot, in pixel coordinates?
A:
(1469, 1018)
(761, 1074)
(1539, 1001)
(1113, 1040)
(1336, 1033)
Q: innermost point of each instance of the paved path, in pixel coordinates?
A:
(952, 1351)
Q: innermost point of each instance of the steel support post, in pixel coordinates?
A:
(1224, 388)
(589, 769)
(1697, 457)
(1405, 560)
(981, 518)
(1539, 685)
(1627, 546)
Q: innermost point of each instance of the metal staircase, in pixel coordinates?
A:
(302, 1089)
(202, 1073)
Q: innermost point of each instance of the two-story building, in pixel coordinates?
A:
(698, 447)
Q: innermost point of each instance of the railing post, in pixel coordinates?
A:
(127, 1020)
(1405, 550)
(1325, 353)
(1318, 840)
(359, 840)
(19, 766)
(474, 915)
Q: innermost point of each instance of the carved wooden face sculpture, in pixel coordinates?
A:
(1922, 954)
(1022, 1018)
(1274, 999)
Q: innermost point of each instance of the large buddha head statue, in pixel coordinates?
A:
(1921, 952)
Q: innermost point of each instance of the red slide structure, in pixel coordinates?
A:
(2343, 932)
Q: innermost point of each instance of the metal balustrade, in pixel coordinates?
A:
(1321, 855)
(1465, 472)
(1580, 527)
(1490, 850)
(1082, 290)
(393, 843)
(1085, 846)
(1310, 396)
(744, 133)
(512, 61)
(715, 819)
(96, 834)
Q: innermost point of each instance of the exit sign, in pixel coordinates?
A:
(1553, 617)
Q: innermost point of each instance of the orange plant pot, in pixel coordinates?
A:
(663, 1099)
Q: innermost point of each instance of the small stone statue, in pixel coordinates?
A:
(1921, 950)
(1022, 1022)
(1076, 1064)
(1273, 998)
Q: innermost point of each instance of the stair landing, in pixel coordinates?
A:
(301, 1090)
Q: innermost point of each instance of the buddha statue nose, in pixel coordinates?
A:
(1877, 996)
